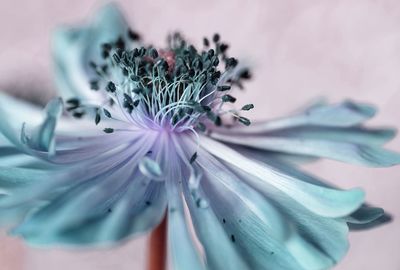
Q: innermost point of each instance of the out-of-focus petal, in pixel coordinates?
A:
(74, 48)
(358, 135)
(345, 114)
(364, 215)
(367, 155)
(42, 137)
(13, 114)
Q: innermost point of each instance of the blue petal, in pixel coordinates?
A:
(218, 247)
(183, 252)
(326, 234)
(42, 137)
(314, 227)
(367, 217)
(367, 155)
(74, 48)
(96, 213)
(246, 216)
(233, 193)
(13, 114)
(11, 177)
(103, 202)
(345, 114)
(321, 200)
(353, 134)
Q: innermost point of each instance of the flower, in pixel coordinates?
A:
(157, 133)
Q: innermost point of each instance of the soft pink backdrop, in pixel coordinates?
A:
(299, 50)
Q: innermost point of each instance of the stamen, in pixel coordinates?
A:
(176, 88)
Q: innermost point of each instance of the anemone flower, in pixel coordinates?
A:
(147, 134)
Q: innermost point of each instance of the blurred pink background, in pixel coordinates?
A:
(299, 50)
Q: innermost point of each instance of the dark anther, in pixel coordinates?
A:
(116, 57)
(94, 85)
(211, 52)
(107, 113)
(73, 101)
(153, 53)
(148, 203)
(106, 46)
(214, 118)
(233, 238)
(128, 98)
(228, 98)
(201, 127)
(164, 65)
(223, 221)
(142, 51)
(192, 50)
(224, 88)
(108, 130)
(203, 78)
(216, 37)
(104, 68)
(135, 52)
(133, 35)
(215, 76)
(193, 158)
(78, 114)
(111, 87)
(206, 108)
(218, 121)
(244, 121)
(206, 42)
(97, 118)
(120, 43)
(247, 107)
(215, 61)
(128, 106)
(245, 74)
(197, 64)
(231, 62)
(137, 90)
(105, 54)
(223, 47)
(92, 65)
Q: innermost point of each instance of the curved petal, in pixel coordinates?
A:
(345, 114)
(209, 230)
(328, 235)
(184, 254)
(111, 206)
(219, 250)
(358, 135)
(321, 200)
(367, 155)
(74, 48)
(42, 137)
(256, 229)
(13, 114)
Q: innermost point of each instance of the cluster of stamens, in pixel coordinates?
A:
(176, 88)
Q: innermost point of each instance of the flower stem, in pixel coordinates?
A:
(157, 251)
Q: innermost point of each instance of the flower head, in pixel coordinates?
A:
(148, 132)
(174, 89)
